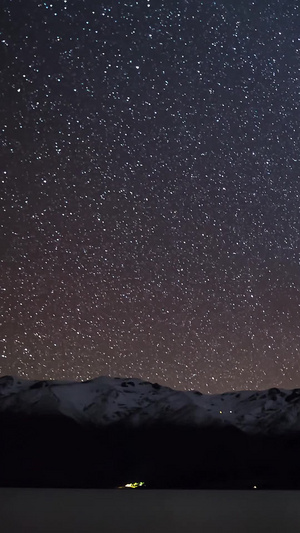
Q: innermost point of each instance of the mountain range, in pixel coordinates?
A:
(110, 432)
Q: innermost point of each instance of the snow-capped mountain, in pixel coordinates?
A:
(104, 401)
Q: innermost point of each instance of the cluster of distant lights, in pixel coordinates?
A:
(141, 484)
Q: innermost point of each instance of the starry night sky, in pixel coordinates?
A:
(150, 191)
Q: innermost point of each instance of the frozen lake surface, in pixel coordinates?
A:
(132, 511)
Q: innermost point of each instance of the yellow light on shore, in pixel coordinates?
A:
(134, 485)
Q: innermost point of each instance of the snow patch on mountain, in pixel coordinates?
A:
(105, 400)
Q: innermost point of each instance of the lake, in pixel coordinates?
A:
(143, 511)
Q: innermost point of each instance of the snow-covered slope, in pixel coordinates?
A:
(104, 400)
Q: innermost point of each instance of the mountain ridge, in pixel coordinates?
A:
(108, 432)
(105, 400)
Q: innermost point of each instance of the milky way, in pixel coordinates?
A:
(150, 191)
